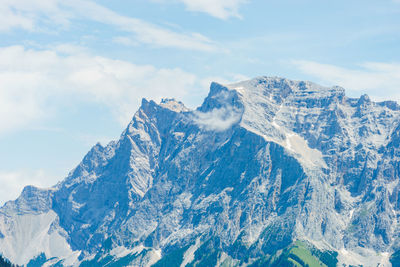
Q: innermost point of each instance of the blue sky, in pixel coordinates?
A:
(72, 73)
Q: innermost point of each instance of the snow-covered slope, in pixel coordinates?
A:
(258, 165)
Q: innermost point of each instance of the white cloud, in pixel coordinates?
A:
(380, 80)
(47, 14)
(34, 84)
(10, 19)
(145, 32)
(12, 183)
(217, 119)
(222, 9)
(28, 14)
(125, 41)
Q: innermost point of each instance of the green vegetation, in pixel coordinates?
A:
(300, 254)
(329, 258)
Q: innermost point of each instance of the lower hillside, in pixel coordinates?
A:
(299, 254)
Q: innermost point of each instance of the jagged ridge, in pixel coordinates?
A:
(258, 165)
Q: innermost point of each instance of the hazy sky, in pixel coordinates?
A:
(72, 73)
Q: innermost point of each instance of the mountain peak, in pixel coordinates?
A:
(284, 87)
(221, 97)
(173, 104)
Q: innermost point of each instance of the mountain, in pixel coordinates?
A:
(266, 172)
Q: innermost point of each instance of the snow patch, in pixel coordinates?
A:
(27, 236)
(364, 257)
(154, 256)
(307, 155)
(120, 252)
(188, 257)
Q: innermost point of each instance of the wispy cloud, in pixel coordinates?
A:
(41, 15)
(35, 83)
(144, 32)
(28, 15)
(219, 119)
(222, 9)
(125, 41)
(374, 78)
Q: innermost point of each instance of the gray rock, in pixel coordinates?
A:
(259, 164)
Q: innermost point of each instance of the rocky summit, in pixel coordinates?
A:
(266, 172)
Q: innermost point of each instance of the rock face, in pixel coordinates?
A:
(258, 165)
